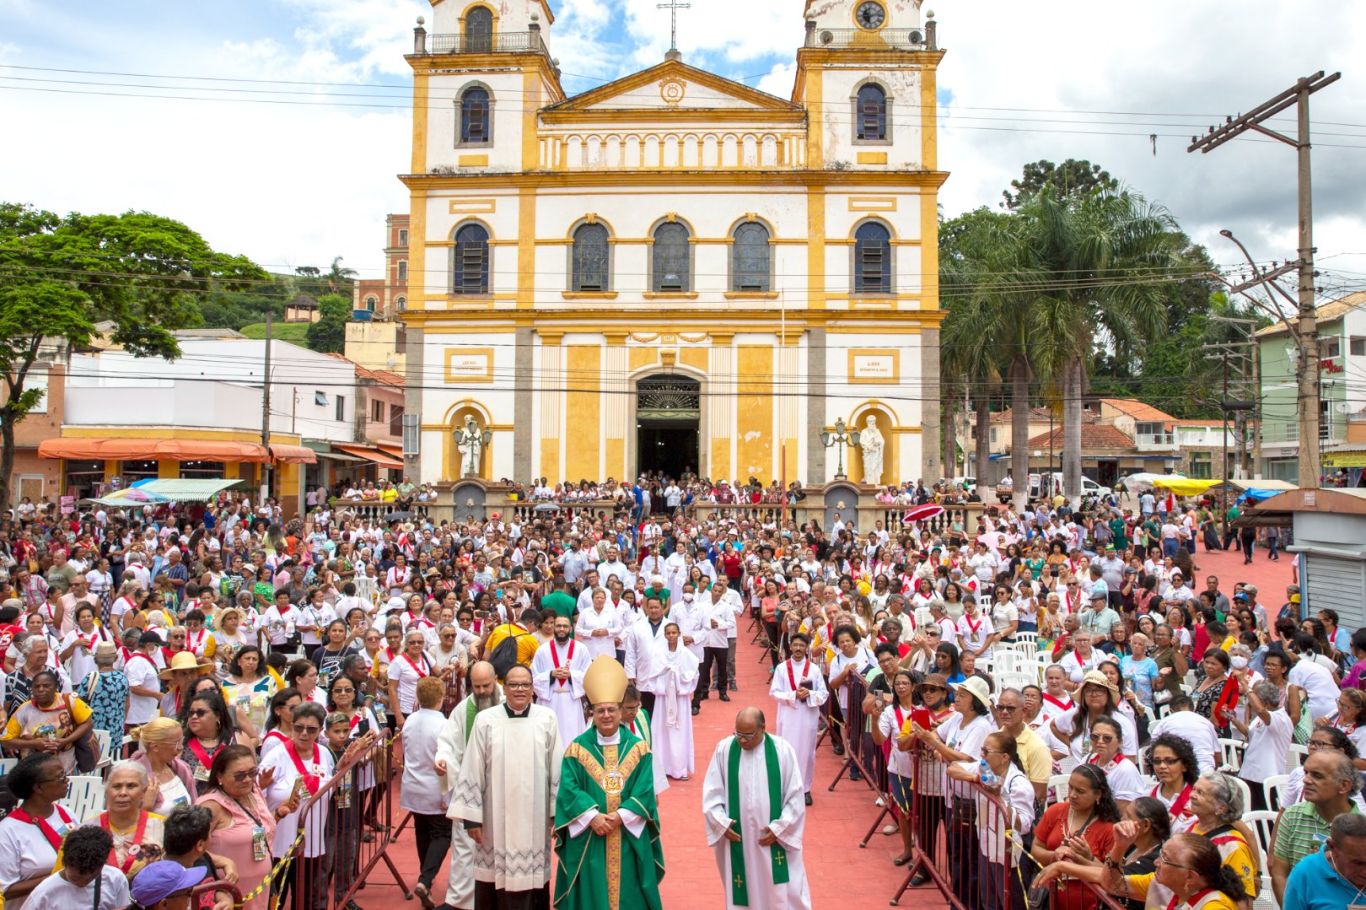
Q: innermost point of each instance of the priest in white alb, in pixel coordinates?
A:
(754, 811)
(673, 682)
(505, 799)
(799, 688)
(485, 693)
(558, 669)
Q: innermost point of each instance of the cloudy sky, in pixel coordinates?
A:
(275, 127)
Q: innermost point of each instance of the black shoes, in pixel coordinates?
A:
(725, 697)
(808, 797)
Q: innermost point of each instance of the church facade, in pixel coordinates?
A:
(673, 271)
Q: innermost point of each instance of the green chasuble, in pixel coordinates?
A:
(616, 872)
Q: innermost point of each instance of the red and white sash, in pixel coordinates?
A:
(555, 656)
(44, 825)
(792, 677)
(314, 780)
(422, 671)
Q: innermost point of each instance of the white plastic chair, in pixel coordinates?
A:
(1298, 753)
(1231, 754)
(106, 742)
(1057, 787)
(1149, 783)
(1273, 788)
(1014, 680)
(1007, 660)
(1246, 791)
(7, 765)
(84, 796)
(1262, 823)
(1027, 638)
(1266, 898)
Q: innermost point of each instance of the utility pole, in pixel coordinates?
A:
(265, 416)
(1307, 393)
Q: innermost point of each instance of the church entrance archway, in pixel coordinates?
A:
(668, 424)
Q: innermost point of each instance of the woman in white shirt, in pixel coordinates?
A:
(995, 835)
(1122, 774)
(405, 671)
(31, 835)
(851, 657)
(299, 768)
(1268, 738)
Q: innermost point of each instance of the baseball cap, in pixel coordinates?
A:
(158, 881)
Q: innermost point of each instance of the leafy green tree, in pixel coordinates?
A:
(1103, 263)
(1071, 178)
(60, 276)
(328, 334)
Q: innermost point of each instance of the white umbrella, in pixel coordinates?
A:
(1143, 480)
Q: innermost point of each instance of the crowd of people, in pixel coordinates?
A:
(527, 687)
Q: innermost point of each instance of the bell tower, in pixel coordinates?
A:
(866, 74)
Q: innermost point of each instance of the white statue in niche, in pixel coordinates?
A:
(871, 445)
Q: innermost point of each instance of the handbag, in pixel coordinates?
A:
(87, 748)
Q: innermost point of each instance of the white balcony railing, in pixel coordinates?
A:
(1152, 441)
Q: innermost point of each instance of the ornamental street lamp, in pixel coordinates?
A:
(473, 440)
(840, 438)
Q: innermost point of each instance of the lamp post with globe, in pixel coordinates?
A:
(841, 437)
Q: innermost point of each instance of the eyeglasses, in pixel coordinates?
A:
(307, 729)
(242, 777)
(200, 712)
(61, 778)
(1007, 709)
(1164, 761)
(747, 736)
(1103, 738)
(517, 686)
(1315, 746)
(1168, 863)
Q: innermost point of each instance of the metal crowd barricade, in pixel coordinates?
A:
(334, 859)
(967, 844)
(857, 739)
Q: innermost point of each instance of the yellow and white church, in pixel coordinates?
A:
(673, 271)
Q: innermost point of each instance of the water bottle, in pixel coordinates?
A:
(988, 776)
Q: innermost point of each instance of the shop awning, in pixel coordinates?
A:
(185, 489)
(383, 459)
(115, 448)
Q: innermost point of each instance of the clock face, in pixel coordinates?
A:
(870, 15)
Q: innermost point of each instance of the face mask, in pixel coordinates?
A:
(688, 597)
(1239, 663)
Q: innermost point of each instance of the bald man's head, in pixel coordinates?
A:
(749, 727)
(484, 685)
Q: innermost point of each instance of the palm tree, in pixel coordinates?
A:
(1103, 265)
(339, 278)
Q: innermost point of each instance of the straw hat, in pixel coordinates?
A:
(977, 687)
(1097, 678)
(185, 660)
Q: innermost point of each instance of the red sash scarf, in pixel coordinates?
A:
(312, 781)
(972, 626)
(196, 646)
(355, 719)
(421, 673)
(1195, 898)
(569, 658)
(792, 677)
(204, 756)
(44, 826)
(1058, 702)
(1178, 806)
(277, 734)
(134, 848)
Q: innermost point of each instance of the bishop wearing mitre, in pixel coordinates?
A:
(606, 820)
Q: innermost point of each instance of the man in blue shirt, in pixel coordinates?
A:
(1335, 877)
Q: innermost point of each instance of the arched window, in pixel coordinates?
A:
(590, 258)
(870, 118)
(872, 259)
(401, 303)
(471, 261)
(371, 303)
(479, 30)
(474, 116)
(672, 258)
(751, 257)
(403, 270)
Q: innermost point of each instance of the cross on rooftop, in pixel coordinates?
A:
(673, 6)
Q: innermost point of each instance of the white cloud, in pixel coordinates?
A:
(292, 184)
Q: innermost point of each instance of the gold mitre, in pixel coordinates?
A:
(605, 681)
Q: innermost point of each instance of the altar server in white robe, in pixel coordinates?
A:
(558, 668)
(799, 689)
(673, 682)
(485, 693)
(509, 778)
(758, 844)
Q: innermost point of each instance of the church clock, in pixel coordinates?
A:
(870, 15)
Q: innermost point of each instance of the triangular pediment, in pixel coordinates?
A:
(673, 86)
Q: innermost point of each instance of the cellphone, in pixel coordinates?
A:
(300, 789)
(921, 718)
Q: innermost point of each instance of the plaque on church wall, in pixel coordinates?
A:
(469, 365)
(874, 365)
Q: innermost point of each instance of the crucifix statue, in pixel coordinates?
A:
(673, 6)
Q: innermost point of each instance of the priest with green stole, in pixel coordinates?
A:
(606, 819)
(754, 807)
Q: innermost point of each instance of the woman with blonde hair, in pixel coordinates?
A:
(171, 781)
